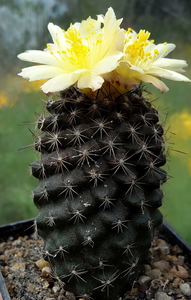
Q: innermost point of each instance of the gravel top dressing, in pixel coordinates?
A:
(29, 277)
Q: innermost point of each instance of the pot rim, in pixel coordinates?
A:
(26, 227)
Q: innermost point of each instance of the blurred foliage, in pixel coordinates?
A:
(16, 184)
(24, 27)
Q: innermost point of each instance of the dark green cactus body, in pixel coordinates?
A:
(99, 189)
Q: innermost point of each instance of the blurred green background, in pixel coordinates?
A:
(24, 26)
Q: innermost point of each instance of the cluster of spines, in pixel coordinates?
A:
(100, 178)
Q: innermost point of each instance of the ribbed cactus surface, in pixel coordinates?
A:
(99, 188)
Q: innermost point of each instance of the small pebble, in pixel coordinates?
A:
(161, 250)
(46, 284)
(41, 263)
(154, 274)
(147, 268)
(4, 257)
(31, 287)
(162, 265)
(70, 296)
(172, 258)
(2, 249)
(46, 271)
(181, 260)
(176, 282)
(144, 279)
(180, 297)
(39, 279)
(56, 288)
(143, 288)
(86, 296)
(19, 254)
(162, 296)
(168, 276)
(16, 242)
(20, 266)
(185, 288)
(10, 277)
(134, 292)
(179, 271)
(160, 241)
(177, 250)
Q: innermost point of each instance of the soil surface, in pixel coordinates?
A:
(28, 276)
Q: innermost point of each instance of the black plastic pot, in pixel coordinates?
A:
(22, 228)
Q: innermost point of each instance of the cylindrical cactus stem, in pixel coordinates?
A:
(99, 189)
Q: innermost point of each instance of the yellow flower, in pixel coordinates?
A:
(94, 51)
(144, 61)
(79, 56)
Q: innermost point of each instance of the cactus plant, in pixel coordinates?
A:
(102, 149)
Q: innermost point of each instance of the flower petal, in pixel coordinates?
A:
(112, 35)
(164, 49)
(155, 81)
(60, 82)
(173, 64)
(135, 68)
(58, 36)
(38, 56)
(107, 64)
(40, 72)
(168, 74)
(88, 80)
